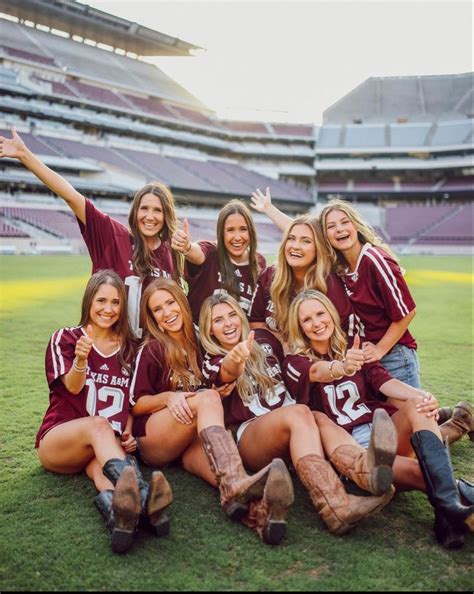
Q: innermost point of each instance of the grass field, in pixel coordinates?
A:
(54, 539)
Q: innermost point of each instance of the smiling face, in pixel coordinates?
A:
(300, 247)
(341, 231)
(105, 308)
(317, 324)
(150, 216)
(236, 237)
(226, 325)
(166, 311)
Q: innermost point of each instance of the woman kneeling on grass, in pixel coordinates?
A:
(175, 416)
(87, 424)
(267, 423)
(321, 374)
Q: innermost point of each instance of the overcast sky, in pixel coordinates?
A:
(289, 61)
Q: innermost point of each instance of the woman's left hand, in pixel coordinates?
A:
(371, 352)
(129, 443)
(429, 405)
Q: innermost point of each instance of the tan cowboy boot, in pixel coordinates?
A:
(268, 515)
(236, 487)
(370, 469)
(444, 414)
(459, 424)
(339, 511)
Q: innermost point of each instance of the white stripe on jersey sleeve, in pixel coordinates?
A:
(58, 360)
(207, 368)
(383, 268)
(293, 373)
(131, 397)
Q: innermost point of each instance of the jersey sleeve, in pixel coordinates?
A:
(211, 369)
(392, 287)
(100, 233)
(148, 373)
(375, 376)
(296, 377)
(193, 270)
(261, 297)
(60, 354)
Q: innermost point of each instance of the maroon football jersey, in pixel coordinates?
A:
(110, 246)
(349, 401)
(105, 393)
(152, 375)
(235, 410)
(379, 293)
(262, 308)
(205, 279)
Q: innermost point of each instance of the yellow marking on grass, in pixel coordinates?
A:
(27, 293)
(425, 277)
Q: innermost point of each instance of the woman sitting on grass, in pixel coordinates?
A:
(174, 415)
(137, 254)
(267, 422)
(87, 424)
(318, 375)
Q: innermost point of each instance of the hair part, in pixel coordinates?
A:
(142, 255)
(184, 366)
(300, 344)
(121, 326)
(227, 269)
(255, 375)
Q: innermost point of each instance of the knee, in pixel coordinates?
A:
(408, 408)
(321, 418)
(300, 414)
(100, 426)
(208, 399)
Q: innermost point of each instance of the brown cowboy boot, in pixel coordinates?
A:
(339, 511)
(370, 469)
(268, 515)
(236, 487)
(459, 424)
(444, 414)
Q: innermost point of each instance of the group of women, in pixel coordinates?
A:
(309, 362)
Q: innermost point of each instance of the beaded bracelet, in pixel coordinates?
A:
(345, 372)
(188, 250)
(76, 367)
(333, 362)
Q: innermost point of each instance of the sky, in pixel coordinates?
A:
(289, 61)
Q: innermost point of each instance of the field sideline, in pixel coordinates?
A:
(54, 539)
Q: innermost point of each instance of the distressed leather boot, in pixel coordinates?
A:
(339, 511)
(441, 486)
(444, 414)
(268, 515)
(459, 424)
(236, 487)
(121, 510)
(370, 469)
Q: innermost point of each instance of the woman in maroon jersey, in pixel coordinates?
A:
(302, 264)
(232, 263)
(267, 422)
(87, 426)
(136, 254)
(174, 415)
(321, 374)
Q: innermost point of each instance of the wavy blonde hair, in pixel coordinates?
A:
(185, 369)
(283, 284)
(256, 365)
(300, 344)
(365, 232)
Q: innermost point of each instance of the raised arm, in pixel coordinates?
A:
(15, 148)
(263, 203)
(181, 242)
(75, 378)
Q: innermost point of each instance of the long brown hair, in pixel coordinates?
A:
(121, 326)
(142, 256)
(256, 365)
(365, 232)
(178, 361)
(283, 284)
(227, 269)
(297, 339)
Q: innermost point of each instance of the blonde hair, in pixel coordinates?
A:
(300, 344)
(255, 372)
(365, 232)
(283, 284)
(178, 360)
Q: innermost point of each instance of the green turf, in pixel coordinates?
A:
(52, 538)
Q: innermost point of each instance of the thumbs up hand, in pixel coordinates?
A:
(242, 351)
(84, 346)
(371, 352)
(181, 239)
(354, 358)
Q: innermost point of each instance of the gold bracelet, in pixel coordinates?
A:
(76, 367)
(333, 362)
(188, 250)
(345, 372)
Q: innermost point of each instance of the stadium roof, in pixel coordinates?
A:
(87, 22)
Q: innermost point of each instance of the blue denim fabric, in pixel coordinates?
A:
(403, 364)
(361, 434)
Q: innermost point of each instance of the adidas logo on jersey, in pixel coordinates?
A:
(104, 367)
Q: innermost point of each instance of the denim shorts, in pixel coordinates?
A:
(361, 434)
(402, 363)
